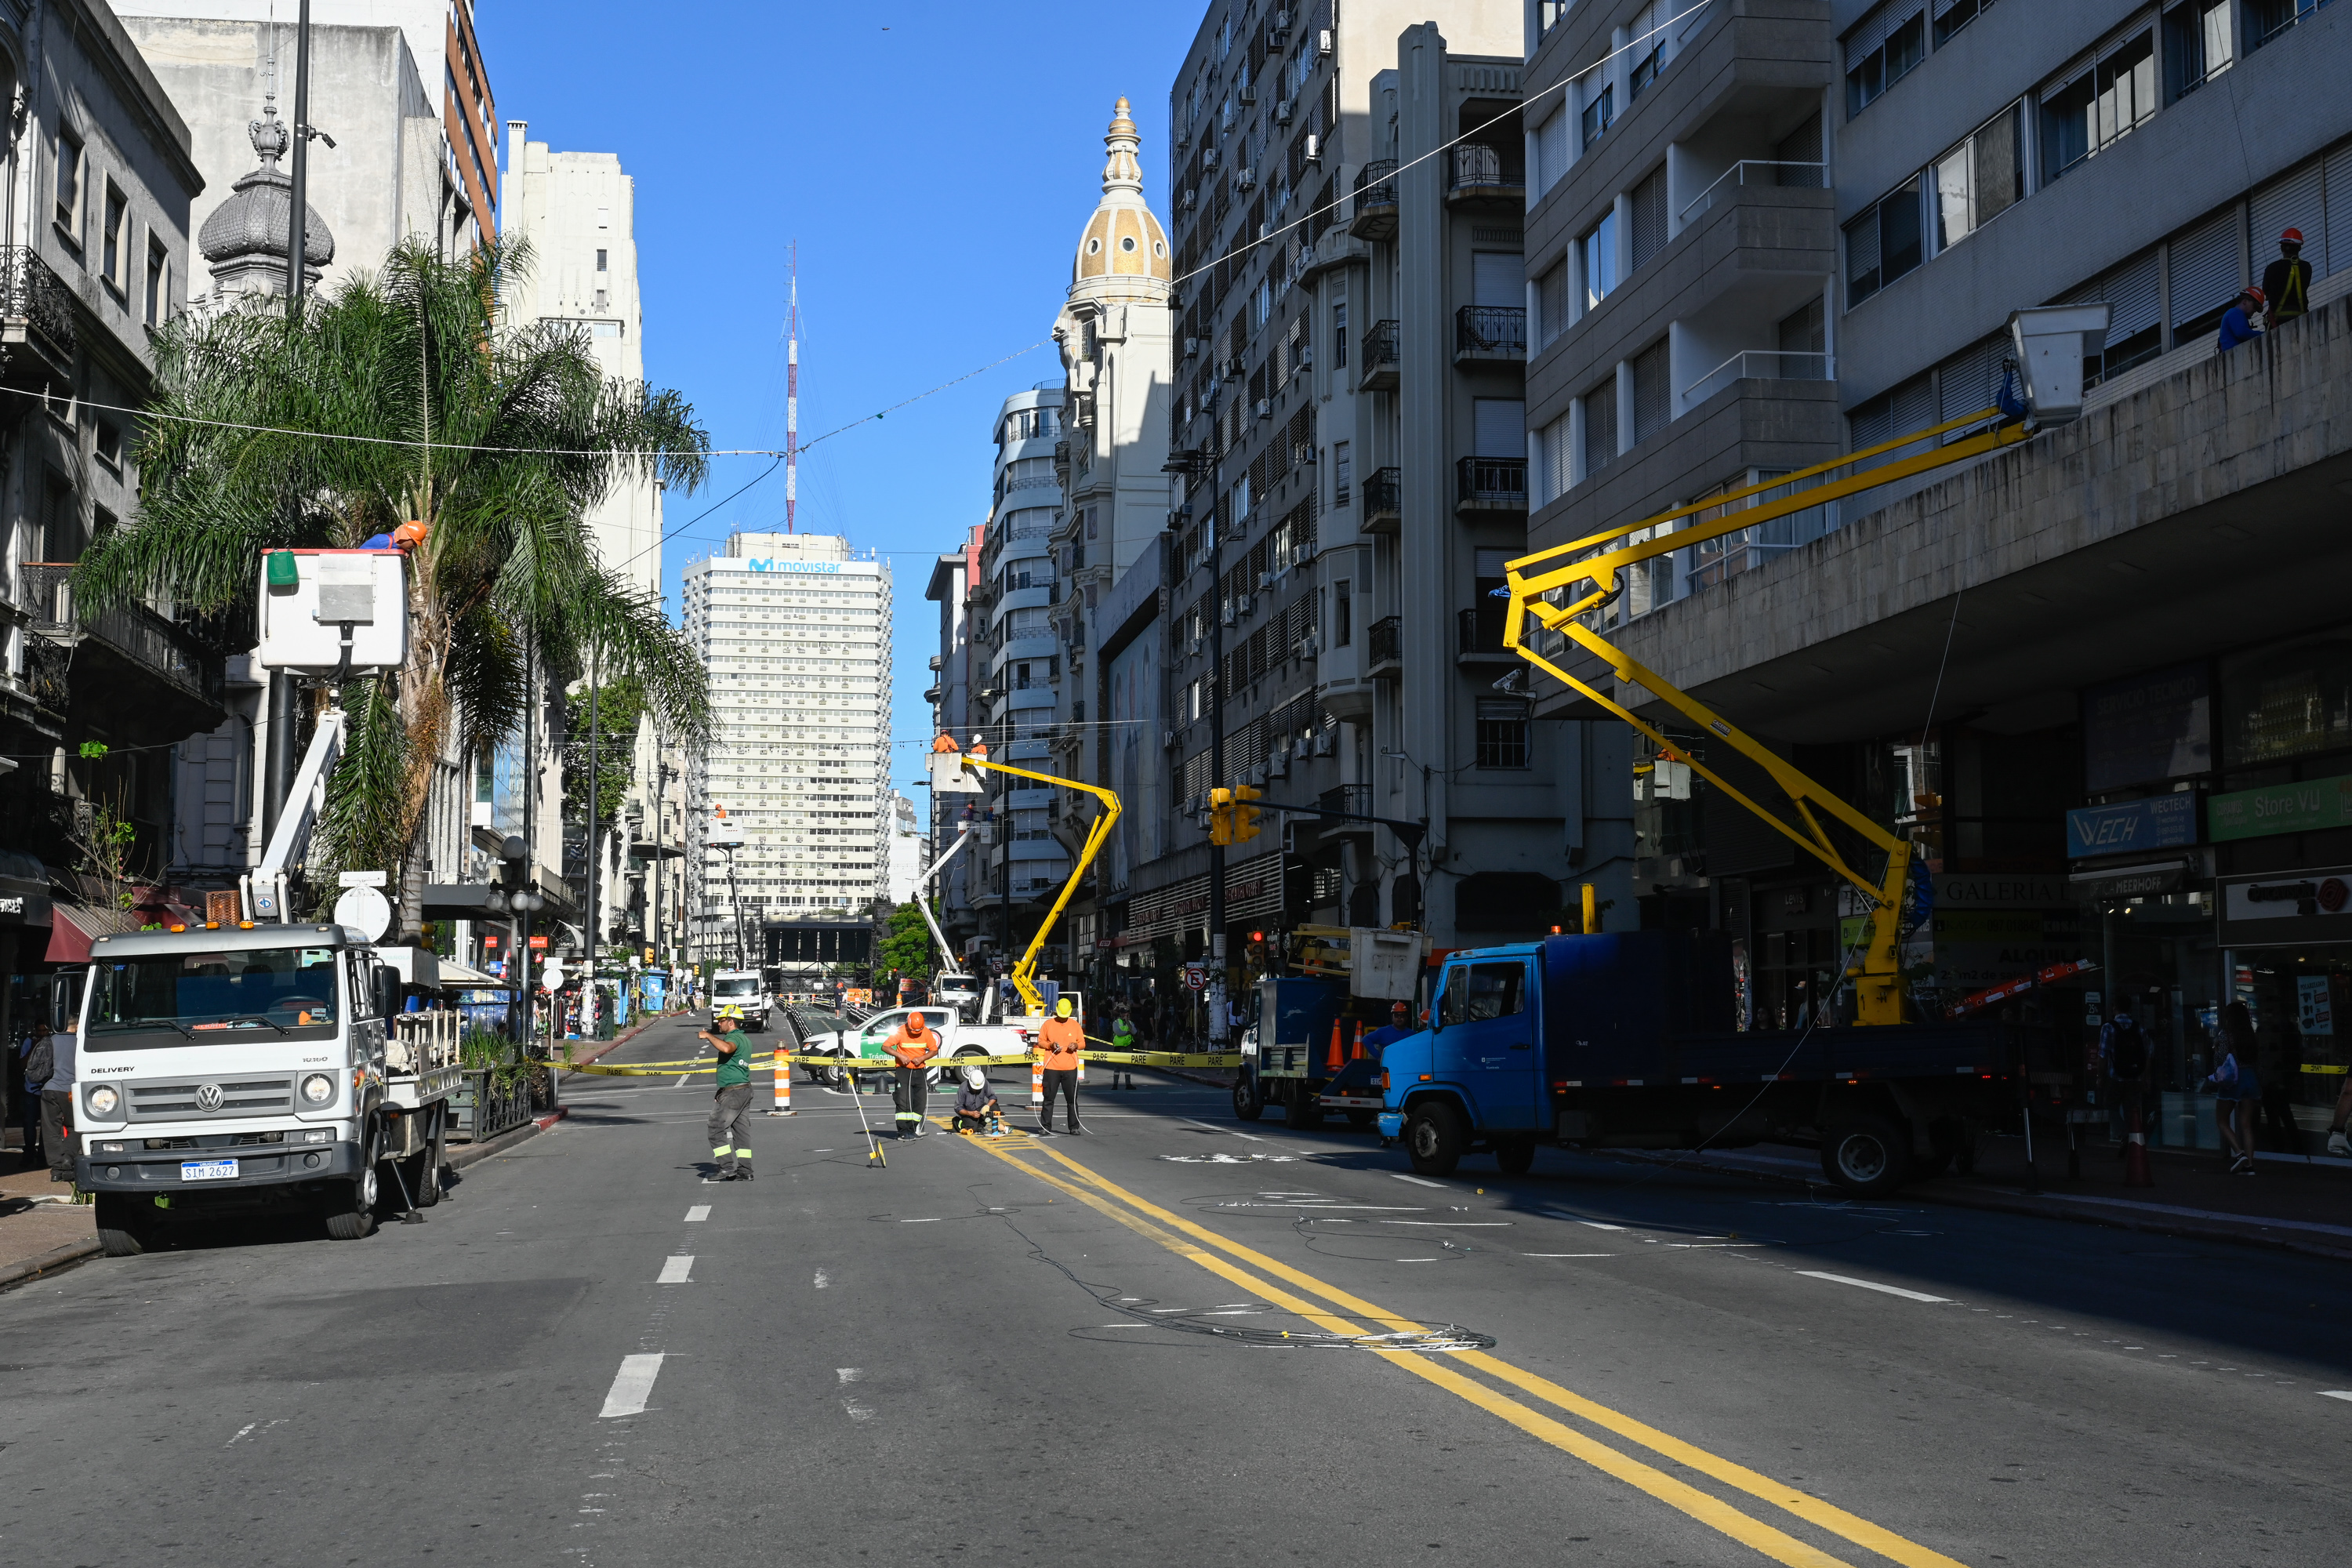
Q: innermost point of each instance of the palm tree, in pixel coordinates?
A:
(401, 396)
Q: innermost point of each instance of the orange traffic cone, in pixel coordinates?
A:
(2136, 1168)
(1331, 1063)
(1357, 1055)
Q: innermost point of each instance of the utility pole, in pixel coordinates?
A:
(522, 977)
(1193, 465)
(297, 221)
(596, 766)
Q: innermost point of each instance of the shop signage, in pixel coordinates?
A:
(538, 944)
(2283, 908)
(2129, 881)
(1955, 890)
(2161, 822)
(2281, 808)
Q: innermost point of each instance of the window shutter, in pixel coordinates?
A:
(1862, 255)
(2338, 255)
(1551, 301)
(1551, 150)
(2290, 201)
(1914, 406)
(1870, 423)
(1876, 27)
(1499, 427)
(1651, 378)
(1601, 427)
(1968, 381)
(1498, 278)
(2131, 289)
(2205, 267)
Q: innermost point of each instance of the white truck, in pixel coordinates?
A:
(742, 988)
(241, 1069)
(864, 1040)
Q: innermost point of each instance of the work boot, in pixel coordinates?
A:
(1045, 1129)
(742, 1173)
(1075, 1128)
(2337, 1144)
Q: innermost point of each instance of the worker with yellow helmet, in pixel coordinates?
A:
(1060, 1038)
(731, 1108)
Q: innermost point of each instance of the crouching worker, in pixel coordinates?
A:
(976, 1110)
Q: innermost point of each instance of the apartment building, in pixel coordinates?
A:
(956, 675)
(2088, 674)
(794, 631)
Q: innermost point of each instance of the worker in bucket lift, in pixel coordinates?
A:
(976, 1110)
(912, 1046)
(1060, 1038)
(730, 1108)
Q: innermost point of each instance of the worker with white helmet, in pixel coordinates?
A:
(976, 1110)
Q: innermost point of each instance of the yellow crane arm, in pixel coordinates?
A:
(1025, 972)
(1592, 559)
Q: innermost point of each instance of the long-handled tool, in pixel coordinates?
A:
(874, 1154)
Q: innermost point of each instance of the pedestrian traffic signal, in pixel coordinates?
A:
(1243, 825)
(1221, 816)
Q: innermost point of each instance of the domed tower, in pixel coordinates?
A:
(245, 241)
(1123, 255)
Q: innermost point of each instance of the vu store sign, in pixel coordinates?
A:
(2161, 822)
(2281, 808)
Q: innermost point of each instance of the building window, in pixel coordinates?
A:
(1551, 303)
(2196, 45)
(1601, 427)
(1551, 153)
(1648, 206)
(1882, 52)
(1980, 178)
(1600, 114)
(68, 185)
(106, 440)
(2104, 103)
(114, 257)
(1342, 472)
(1951, 15)
(1599, 248)
(2266, 19)
(1502, 733)
(1883, 244)
(159, 282)
(1343, 614)
(1339, 335)
(601, 255)
(1652, 376)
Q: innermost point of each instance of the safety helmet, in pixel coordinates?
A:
(729, 1013)
(2251, 292)
(1062, 1008)
(409, 535)
(2292, 236)
(975, 1078)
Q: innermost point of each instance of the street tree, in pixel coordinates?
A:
(906, 943)
(401, 396)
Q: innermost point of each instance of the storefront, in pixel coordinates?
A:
(2286, 939)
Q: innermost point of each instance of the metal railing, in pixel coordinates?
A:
(138, 632)
(1811, 177)
(1479, 167)
(1347, 797)
(1497, 330)
(1491, 481)
(1388, 640)
(1480, 627)
(1384, 492)
(1381, 349)
(31, 292)
(1376, 185)
(1778, 365)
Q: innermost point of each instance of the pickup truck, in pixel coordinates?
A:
(245, 1069)
(861, 1040)
(1627, 1041)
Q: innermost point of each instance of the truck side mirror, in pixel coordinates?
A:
(387, 990)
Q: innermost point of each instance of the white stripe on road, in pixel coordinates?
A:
(676, 1267)
(1872, 1285)
(1577, 1219)
(2324, 1393)
(1236, 1131)
(632, 1386)
(1567, 1255)
(1416, 1181)
(697, 1214)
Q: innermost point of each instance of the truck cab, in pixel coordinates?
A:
(741, 988)
(254, 1069)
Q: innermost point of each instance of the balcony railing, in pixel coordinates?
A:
(1374, 216)
(1387, 643)
(1383, 500)
(1381, 353)
(1494, 484)
(1767, 364)
(1757, 171)
(1480, 632)
(1490, 331)
(1478, 169)
(1347, 797)
(36, 307)
(134, 631)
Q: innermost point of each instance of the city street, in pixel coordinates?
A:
(1121, 1348)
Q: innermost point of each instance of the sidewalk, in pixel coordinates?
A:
(2300, 1205)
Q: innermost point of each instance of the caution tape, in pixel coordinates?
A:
(883, 1063)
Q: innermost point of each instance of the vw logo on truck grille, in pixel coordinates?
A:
(208, 1098)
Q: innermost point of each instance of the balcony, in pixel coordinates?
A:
(1479, 634)
(1377, 371)
(119, 653)
(1495, 333)
(37, 314)
(1387, 648)
(1490, 484)
(1353, 797)
(1478, 174)
(1384, 500)
(1761, 365)
(1375, 214)
(1753, 172)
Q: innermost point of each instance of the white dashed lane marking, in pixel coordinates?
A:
(1417, 1181)
(697, 1214)
(1873, 1285)
(632, 1387)
(675, 1270)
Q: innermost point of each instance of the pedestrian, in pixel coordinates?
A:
(2238, 323)
(976, 1110)
(2236, 1087)
(1060, 1038)
(2124, 1058)
(2282, 1069)
(1122, 1039)
(2337, 1143)
(28, 1102)
(912, 1044)
(730, 1108)
(56, 1105)
(2286, 282)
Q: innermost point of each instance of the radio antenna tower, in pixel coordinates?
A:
(793, 394)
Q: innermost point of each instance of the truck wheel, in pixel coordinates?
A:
(1517, 1156)
(1867, 1156)
(1302, 1110)
(1434, 1138)
(1248, 1103)
(422, 1170)
(350, 1205)
(123, 1231)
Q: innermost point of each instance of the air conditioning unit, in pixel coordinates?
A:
(1265, 579)
(1242, 602)
(1314, 154)
(1325, 743)
(1298, 554)
(1301, 745)
(1265, 407)
(1209, 157)
(1226, 615)
(1307, 651)
(1184, 203)
(1278, 765)
(1306, 362)
(1284, 109)
(1245, 179)
(1277, 29)
(1192, 648)
(1257, 775)
(1191, 348)
(1168, 740)
(1247, 93)
(1323, 44)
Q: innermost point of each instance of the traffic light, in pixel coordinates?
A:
(1244, 822)
(1221, 816)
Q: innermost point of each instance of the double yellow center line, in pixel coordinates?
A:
(1227, 1258)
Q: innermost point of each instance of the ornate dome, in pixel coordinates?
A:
(1122, 239)
(244, 239)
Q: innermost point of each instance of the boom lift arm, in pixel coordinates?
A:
(922, 898)
(1585, 575)
(952, 770)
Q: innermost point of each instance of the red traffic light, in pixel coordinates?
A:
(1257, 936)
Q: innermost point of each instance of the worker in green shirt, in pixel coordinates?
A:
(731, 1108)
(1122, 1039)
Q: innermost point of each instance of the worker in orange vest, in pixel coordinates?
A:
(1059, 1040)
(912, 1046)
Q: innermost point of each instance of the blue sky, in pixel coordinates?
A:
(935, 164)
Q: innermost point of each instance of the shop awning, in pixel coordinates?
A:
(73, 927)
(457, 976)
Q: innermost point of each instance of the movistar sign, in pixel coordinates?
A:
(766, 563)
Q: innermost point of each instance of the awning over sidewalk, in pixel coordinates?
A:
(73, 927)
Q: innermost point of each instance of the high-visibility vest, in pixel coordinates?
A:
(910, 1051)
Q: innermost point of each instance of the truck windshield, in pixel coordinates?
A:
(734, 988)
(205, 998)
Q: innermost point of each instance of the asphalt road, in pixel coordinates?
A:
(1074, 1351)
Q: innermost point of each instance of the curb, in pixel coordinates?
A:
(474, 1154)
(2250, 1232)
(56, 1257)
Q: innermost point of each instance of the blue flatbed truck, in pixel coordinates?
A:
(1626, 1040)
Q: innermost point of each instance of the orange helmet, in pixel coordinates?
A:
(2292, 236)
(409, 535)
